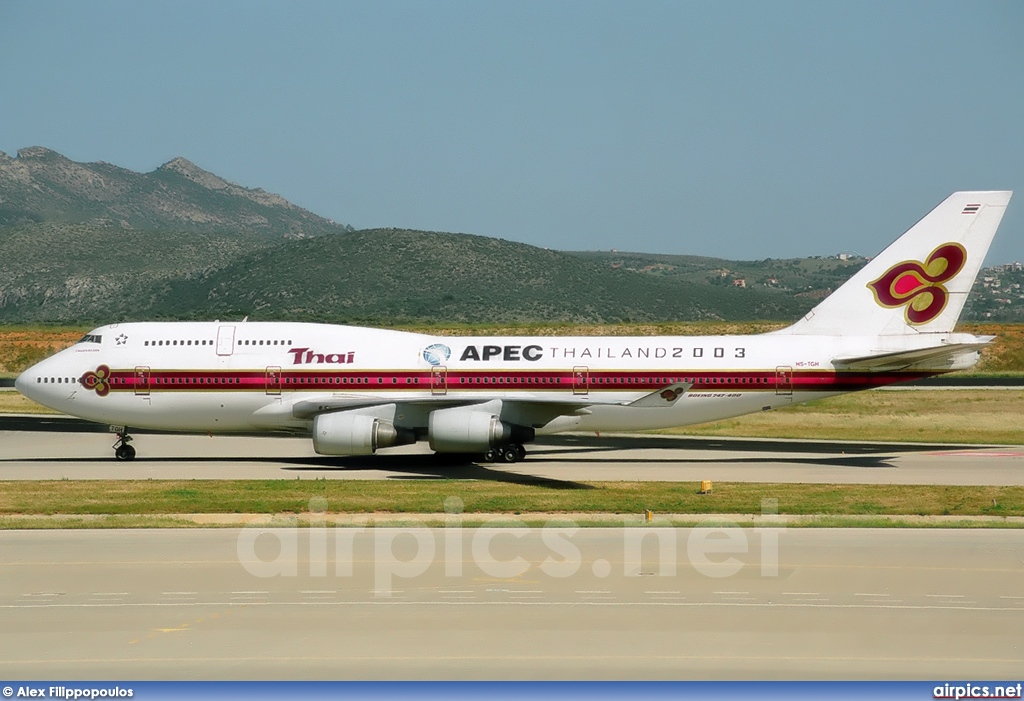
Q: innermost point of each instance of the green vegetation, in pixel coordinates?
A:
(496, 521)
(998, 295)
(809, 277)
(82, 273)
(411, 276)
(546, 497)
(91, 242)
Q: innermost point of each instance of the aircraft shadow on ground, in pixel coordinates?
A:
(461, 467)
(47, 423)
(427, 466)
(741, 445)
(860, 461)
(465, 467)
(579, 449)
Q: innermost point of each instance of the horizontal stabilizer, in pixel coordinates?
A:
(664, 397)
(944, 357)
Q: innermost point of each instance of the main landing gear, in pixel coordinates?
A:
(513, 452)
(122, 449)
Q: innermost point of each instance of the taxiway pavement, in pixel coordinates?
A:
(48, 448)
(226, 604)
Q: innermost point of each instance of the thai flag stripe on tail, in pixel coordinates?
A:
(971, 209)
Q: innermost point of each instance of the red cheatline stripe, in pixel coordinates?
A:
(596, 381)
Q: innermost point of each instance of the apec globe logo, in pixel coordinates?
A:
(437, 354)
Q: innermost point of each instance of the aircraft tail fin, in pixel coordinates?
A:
(919, 284)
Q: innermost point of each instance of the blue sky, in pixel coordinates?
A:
(734, 129)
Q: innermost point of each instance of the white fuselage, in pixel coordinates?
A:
(253, 376)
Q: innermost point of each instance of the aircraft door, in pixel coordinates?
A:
(142, 381)
(439, 380)
(581, 379)
(273, 383)
(225, 340)
(784, 380)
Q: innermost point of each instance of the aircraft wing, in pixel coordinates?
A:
(902, 360)
(660, 398)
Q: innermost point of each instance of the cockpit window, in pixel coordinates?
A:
(91, 338)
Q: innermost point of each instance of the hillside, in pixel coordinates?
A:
(399, 276)
(82, 272)
(801, 277)
(997, 295)
(90, 242)
(42, 186)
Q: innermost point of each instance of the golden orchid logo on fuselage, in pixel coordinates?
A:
(98, 381)
(919, 287)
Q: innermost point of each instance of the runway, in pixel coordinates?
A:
(180, 604)
(49, 448)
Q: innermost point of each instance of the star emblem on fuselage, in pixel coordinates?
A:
(121, 340)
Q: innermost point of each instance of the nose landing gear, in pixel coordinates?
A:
(122, 449)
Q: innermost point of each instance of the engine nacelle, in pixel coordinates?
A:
(345, 433)
(469, 430)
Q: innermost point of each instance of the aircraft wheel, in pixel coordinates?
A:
(509, 454)
(520, 451)
(492, 455)
(125, 452)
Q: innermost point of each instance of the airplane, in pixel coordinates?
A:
(355, 390)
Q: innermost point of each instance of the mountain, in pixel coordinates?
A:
(56, 272)
(802, 277)
(86, 243)
(42, 186)
(400, 276)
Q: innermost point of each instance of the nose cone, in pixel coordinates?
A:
(23, 382)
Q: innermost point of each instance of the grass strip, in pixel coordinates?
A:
(161, 497)
(116, 521)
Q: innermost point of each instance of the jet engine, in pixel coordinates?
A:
(345, 433)
(470, 430)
